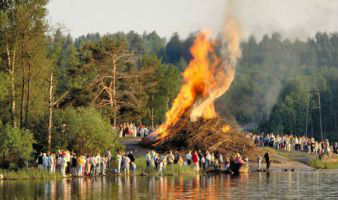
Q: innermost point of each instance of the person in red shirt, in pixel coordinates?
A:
(195, 161)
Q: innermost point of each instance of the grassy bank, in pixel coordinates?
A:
(30, 173)
(319, 164)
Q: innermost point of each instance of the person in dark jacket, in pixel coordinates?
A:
(131, 157)
(267, 159)
(74, 164)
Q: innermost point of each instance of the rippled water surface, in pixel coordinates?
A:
(276, 185)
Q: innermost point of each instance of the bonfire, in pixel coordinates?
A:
(192, 122)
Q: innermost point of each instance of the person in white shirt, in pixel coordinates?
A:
(98, 164)
(188, 157)
(119, 162)
(126, 161)
(259, 162)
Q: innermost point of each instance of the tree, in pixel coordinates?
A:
(108, 61)
(173, 50)
(22, 33)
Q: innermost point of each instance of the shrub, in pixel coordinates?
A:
(15, 147)
(83, 130)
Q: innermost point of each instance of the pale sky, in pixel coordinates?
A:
(293, 18)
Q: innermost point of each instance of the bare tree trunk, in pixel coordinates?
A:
(22, 94)
(114, 91)
(152, 118)
(28, 93)
(50, 105)
(11, 64)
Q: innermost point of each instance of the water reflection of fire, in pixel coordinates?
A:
(207, 77)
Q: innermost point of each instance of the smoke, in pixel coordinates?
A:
(292, 18)
(223, 71)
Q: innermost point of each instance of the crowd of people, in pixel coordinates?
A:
(294, 143)
(125, 163)
(130, 129)
(67, 163)
(198, 160)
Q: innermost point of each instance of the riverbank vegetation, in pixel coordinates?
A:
(28, 174)
(320, 164)
(60, 92)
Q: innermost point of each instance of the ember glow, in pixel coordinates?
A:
(207, 77)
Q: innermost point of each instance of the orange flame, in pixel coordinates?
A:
(226, 128)
(206, 78)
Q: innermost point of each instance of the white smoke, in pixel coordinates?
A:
(292, 18)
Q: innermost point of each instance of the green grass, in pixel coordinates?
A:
(29, 173)
(319, 164)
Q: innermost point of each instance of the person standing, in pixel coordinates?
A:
(98, 164)
(267, 159)
(104, 161)
(79, 163)
(220, 160)
(88, 166)
(195, 161)
(126, 162)
(45, 161)
(207, 159)
(93, 165)
(170, 158)
(109, 156)
(188, 157)
(63, 165)
(50, 163)
(259, 162)
(131, 156)
(119, 162)
(335, 148)
(39, 161)
(74, 165)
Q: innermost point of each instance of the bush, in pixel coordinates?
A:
(83, 130)
(320, 164)
(15, 147)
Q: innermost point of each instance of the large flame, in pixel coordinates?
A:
(207, 77)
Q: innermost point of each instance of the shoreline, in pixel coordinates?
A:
(273, 169)
(282, 161)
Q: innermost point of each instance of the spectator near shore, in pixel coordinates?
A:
(267, 160)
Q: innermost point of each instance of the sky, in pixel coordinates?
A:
(292, 18)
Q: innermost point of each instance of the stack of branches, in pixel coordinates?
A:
(206, 135)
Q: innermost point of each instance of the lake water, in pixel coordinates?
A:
(276, 185)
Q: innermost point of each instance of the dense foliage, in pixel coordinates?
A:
(15, 147)
(83, 130)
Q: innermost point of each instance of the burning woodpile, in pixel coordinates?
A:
(192, 122)
(211, 134)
